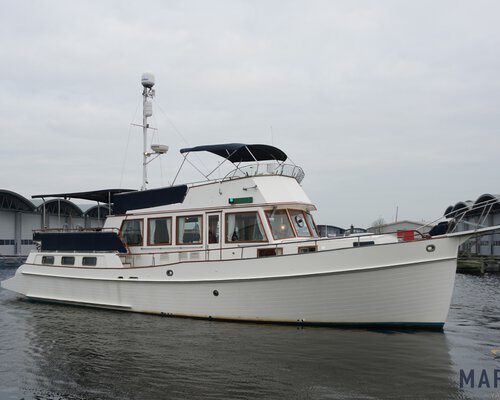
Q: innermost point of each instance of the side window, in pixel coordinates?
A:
(89, 261)
(311, 224)
(48, 260)
(189, 230)
(244, 227)
(299, 223)
(68, 260)
(280, 224)
(131, 232)
(160, 231)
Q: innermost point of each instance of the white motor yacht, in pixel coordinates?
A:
(243, 247)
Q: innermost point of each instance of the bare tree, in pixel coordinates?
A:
(377, 225)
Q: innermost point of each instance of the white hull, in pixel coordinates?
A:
(401, 284)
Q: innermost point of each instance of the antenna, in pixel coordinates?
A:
(148, 81)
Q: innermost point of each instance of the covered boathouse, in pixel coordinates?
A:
(20, 217)
(483, 212)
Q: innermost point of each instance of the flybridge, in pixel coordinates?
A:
(238, 153)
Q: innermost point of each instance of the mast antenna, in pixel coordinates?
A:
(148, 81)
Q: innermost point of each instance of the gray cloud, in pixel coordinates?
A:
(383, 104)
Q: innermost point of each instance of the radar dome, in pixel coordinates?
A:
(148, 80)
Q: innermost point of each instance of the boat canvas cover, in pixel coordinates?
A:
(149, 198)
(239, 152)
(103, 196)
(79, 241)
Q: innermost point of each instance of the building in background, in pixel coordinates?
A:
(333, 231)
(483, 212)
(19, 217)
(401, 226)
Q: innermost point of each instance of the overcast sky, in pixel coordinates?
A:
(384, 104)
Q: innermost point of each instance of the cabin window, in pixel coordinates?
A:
(213, 229)
(312, 225)
(189, 230)
(160, 231)
(89, 261)
(49, 260)
(68, 260)
(280, 224)
(244, 227)
(299, 223)
(132, 232)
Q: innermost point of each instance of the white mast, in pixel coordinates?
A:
(148, 81)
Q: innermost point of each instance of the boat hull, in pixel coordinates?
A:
(398, 284)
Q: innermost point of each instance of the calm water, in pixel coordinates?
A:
(64, 352)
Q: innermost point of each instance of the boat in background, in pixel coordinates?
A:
(243, 247)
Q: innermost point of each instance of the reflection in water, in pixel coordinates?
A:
(118, 354)
(65, 352)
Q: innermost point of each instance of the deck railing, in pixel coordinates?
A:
(290, 170)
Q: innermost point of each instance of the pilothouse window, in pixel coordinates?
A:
(244, 227)
(280, 224)
(312, 225)
(299, 223)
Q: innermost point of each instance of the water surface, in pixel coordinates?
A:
(50, 351)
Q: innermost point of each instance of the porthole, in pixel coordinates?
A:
(430, 248)
(170, 272)
(216, 293)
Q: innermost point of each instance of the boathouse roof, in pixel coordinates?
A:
(60, 206)
(481, 204)
(13, 201)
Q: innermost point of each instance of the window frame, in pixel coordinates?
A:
(171, 232)
(141, 221)
(289, 222)
(177, 231)
(263, 229)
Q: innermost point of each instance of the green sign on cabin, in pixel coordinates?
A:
(240, 200)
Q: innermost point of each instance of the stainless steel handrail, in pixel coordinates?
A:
(290, 170)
